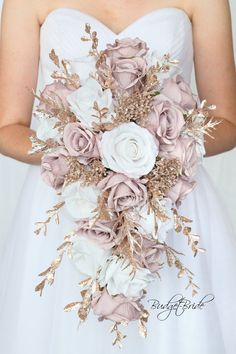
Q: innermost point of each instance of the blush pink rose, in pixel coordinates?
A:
(129, 72)
(80, 142)
(151, 253)
(126, 48)
(125, 61)
(115, 308)
(186, 152)
(165, 121)
(178, 90)
(124, 192)
(103, 232)
(58, 92)
(54, 167)
(181, 189)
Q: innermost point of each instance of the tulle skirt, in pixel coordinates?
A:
(30, 324)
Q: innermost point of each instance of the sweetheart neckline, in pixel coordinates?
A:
(101, 24)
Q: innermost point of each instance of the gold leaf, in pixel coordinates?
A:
(178, 228)
(186, 230)
(54, 58)
(72, 306)
(40, 287)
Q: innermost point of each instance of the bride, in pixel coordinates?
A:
(199, 34)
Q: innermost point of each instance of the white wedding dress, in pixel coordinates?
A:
(30, 324)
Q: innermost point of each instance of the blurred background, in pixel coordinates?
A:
(222, 169)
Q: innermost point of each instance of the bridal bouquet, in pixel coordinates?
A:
(122, 137)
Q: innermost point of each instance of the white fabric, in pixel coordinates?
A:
(30, 324)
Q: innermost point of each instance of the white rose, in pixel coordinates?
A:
(82, 101)
(119, 280)
(80, 201)
(87, 256)
(147, 221)
(129, 149)
(45, 129)
(83, 66)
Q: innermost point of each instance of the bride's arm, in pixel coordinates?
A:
(19, 58)
(215, 69)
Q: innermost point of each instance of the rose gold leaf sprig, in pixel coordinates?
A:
(92, 36)
(54, 58)
(165, 64)
(162, 66)
(151, 82)
(199, 121)
(105, 77)
(180, 226)
(53, 214)
(40, 146)
(102, 115)
(102, 212)
(57, 109)
(119, 336)
(193, 285)
(89, 174)
(71, 80)
(130, 240)
(172, 259)
(163, 176)
(90, 286)
(142, 323)
(49, 273)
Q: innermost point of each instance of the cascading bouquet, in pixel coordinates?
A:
(122, 137)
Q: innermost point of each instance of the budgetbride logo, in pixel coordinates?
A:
(178, 305)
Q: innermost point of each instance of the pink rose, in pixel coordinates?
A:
(177, 90)
(58, 92)
(103, 232)
(124, 192)
(115, 308)
(179, 192)
(185, 151)
(54, 167)
(124, 60)
(165, 121)
(129, 72)
(150, 254)
(126, 48)
(80, 142)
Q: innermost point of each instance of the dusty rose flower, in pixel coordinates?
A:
(124, 59)
(115, 308)
(80, 142)
(128, 72)
(54, 167)
(191, 160)
(151, 253)
(58, 92)
(124, 192)
(103, 232)
(179, 192)
(177, 89)
(185, 151)
(126, 48)
(165, 121)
